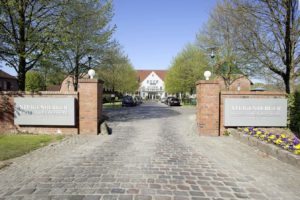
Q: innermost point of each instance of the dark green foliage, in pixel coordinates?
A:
(34, 82)
(294, 112)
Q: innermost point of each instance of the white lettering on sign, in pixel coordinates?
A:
(255, 112)
(44, 111)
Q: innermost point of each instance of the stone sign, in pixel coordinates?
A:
(44, 111)
(265, 112)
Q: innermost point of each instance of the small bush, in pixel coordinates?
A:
(294, 112)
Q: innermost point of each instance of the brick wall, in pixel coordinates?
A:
(90, 104)
(208, 107)
(7, 113)
(88, 109)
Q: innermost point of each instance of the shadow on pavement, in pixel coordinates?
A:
(144, 111)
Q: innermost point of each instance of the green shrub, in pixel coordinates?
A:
(34, 82)
(294, 112)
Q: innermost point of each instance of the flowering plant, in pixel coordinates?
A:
(289, 143)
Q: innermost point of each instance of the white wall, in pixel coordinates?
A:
(152, 84)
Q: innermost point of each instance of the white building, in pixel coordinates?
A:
(152, 85)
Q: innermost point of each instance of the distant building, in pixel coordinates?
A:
(8, 82)
(241, 82)
(151, 83)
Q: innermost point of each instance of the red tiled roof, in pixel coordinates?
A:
(142, 74)
(6, 75)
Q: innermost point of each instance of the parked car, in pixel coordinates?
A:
(138, 100)
(163, 100)
(173, 101)
(167, 100)
(128, 101)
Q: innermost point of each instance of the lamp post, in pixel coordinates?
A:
(212, 56)
(90, 59)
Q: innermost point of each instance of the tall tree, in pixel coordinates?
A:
(268, 31)
(229, 63)
(26, 27)
(117, 72)
(85, 33)
(187, 67)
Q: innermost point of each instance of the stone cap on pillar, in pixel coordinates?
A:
(207, 82)
(86, 80)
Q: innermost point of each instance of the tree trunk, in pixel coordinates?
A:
(286, 80)
(22, 74)
(76, 75)
(21, 49)
(288, 46)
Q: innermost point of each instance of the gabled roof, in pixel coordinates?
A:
(143, 74)
(6, 75)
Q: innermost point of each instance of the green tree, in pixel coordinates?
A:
(187, 67)
(34, 81)
(117, 72)
(27, 28)
(51, 73)
(85, 32)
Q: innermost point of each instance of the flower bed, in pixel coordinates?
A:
(291, 144)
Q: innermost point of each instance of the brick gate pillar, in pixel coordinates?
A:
(90, 105)
(208, 107)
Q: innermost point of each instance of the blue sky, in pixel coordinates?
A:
(153, 32)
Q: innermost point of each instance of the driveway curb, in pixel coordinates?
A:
(269, 149)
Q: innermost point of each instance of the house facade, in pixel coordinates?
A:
(151, 84)
(8, 82)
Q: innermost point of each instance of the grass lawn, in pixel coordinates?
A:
(117, 104)
(14, 145)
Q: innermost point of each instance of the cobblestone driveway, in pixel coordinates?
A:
(153, 154)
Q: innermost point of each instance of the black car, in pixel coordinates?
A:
(173, 101)
(128, 101)
(167, 100)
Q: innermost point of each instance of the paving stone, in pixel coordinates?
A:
(117, 191)
(25, 191)
(143, 197)
(125, 197)
(92, 197)
(226, 195)
(162, 198)
(110, 197)
(132, 191)
(196, 193)
(153, 153)
(241, 195)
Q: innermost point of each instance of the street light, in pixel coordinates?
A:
(90, 59)
(212, 56)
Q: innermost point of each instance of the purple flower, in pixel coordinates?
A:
(269, 134)
(277, 136)
(285, 140)
(296, 141)
(292, 147)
